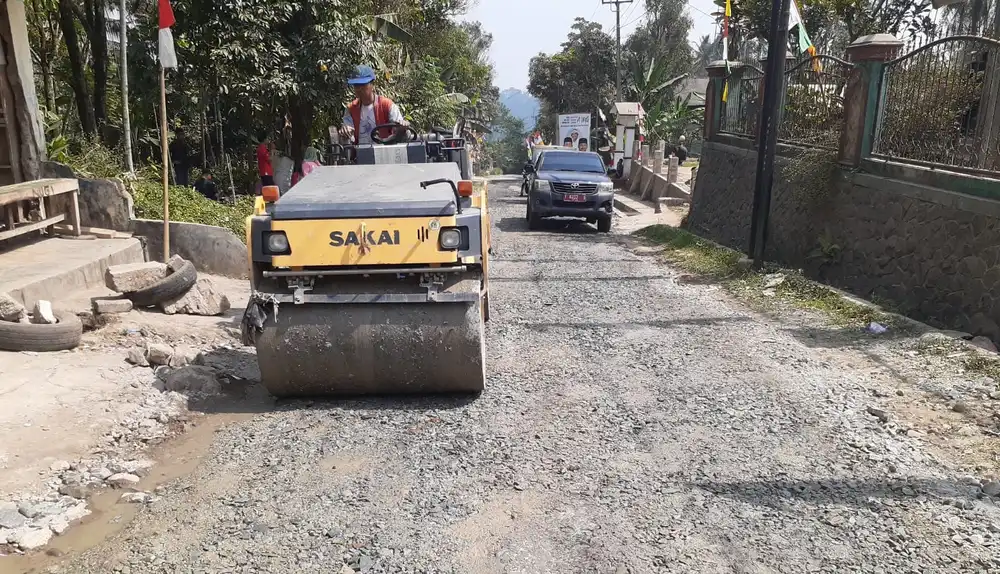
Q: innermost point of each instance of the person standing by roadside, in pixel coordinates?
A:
(681, 151)
(264, 168)
(180, 157)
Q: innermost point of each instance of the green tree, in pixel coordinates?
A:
(507, 151)
(663, 37)
(579, 78)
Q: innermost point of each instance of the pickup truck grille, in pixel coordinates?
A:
(568, 188)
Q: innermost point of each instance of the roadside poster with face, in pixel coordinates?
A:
(574, 131)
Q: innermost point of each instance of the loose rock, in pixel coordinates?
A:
(992, 488)
(202, 299)
(10, 517)
(122, 480)
(878, 413)
(133, 277)
(137, 497)
(137, 357)
(193, 379)
(42, 313)
(59, 525)
(175, 263)
(77, 491)
(159, 353)
(31, 538)
(112, 306)
(11, 310)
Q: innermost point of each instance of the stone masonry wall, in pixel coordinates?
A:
(934, 254)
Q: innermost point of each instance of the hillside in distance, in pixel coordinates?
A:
(521, 105)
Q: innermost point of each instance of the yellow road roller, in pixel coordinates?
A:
(371, 277)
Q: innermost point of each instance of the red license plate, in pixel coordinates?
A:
(575, 197)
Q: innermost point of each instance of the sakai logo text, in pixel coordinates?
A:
(340, 239)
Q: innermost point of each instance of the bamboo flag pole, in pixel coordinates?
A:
(168, 59)
(166, 164)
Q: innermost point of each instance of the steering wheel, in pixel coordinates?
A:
(391, 139)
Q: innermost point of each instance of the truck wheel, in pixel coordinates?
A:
(534, 222)
(604, 225)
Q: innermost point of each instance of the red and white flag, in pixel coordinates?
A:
(168, 57)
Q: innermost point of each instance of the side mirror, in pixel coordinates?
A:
(612, 171)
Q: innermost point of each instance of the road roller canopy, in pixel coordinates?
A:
(357, 191)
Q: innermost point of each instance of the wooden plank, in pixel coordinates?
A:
(37, 188)
(97, 231)
(9, 210)
(74, 210)
(21, 230)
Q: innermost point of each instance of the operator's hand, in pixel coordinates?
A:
(346, 132)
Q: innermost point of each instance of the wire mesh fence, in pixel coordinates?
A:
(741, 110)
(940, 105)
(813, 102)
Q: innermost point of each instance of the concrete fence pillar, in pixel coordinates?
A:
(672, 169)
(863, 95)
(647, 159)
(713, 98)
(658, 157)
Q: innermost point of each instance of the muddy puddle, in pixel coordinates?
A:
(108, 516)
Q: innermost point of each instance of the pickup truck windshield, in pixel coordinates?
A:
(571, 161)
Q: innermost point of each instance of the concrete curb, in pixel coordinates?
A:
(213, 250)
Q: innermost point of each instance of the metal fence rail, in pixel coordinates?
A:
(939, 105)
(813, 102)
(741, 113)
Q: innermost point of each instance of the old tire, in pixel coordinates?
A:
(604, 225)
(169, 288)
(61, 336)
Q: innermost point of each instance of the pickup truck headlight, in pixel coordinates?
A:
(605, 187)
(542, 185)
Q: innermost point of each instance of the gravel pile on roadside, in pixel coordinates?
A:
(630, 424)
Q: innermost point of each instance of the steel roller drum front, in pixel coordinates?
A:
(386, 348)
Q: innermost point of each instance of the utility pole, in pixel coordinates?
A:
(618, 42)
(777, 47)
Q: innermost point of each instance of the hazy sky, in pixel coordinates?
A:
(523, 28)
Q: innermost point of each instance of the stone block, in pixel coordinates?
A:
(112, 306)
(42, 313)
(134, 276)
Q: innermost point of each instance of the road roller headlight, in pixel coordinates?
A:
(450, 238)
(276, 243)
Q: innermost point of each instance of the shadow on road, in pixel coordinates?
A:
(847, 337)
(242, 392)
(555, 225)
(859, 493)
(661, 324)
(574, 278)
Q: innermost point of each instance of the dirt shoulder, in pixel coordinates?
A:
(65, 413)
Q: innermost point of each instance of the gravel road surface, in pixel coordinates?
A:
(631, 424)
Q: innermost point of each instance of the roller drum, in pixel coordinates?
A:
(383, 348)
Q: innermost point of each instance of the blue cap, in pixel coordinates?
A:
(362, 75)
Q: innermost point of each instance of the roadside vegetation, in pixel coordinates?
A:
(773, 287)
